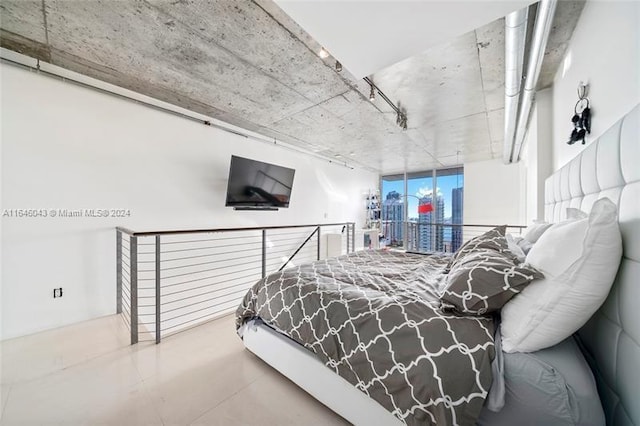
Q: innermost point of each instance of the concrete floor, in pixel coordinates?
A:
(89, 374)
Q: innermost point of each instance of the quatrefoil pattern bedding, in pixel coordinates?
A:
(375, 318)
(483, 281)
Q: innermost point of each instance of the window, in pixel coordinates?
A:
(451, 186)
(393, 208)
(423, 211)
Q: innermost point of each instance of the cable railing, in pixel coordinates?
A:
(434, 237)
(169, 281)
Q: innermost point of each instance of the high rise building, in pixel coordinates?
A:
(392, 218)
(431, 236)
(457, 195)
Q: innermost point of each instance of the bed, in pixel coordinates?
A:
(460, 367)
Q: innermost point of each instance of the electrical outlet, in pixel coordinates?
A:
(57, 292)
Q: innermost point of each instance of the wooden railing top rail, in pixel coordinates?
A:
(205, 230)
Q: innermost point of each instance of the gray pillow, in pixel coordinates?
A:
(483, 281)
(490, 240)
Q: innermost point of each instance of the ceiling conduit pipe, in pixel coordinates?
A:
(515, 38)
(541, 30)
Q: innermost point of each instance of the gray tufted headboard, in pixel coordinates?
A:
(610, 167)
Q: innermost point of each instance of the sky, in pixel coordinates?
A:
(421, 186)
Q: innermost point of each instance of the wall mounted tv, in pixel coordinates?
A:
(254, 185)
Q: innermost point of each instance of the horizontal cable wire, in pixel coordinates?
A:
(201, 294)
(210, 239)
(209, 284)
(203, 263)
(211, 269)
(296, 238)
(197, 310)
(282, 251)
(202, 301)
(195, 320)
(205, 278)
(227, 238)
(300, 232)
(204, 248)
(202, 255)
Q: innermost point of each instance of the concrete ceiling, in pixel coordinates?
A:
(249, 64)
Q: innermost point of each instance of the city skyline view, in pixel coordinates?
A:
(419, 187)
(424, 204)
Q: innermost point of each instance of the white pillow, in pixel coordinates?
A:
(579, 259)
(535, 231)
(514, 248)
(575, 213)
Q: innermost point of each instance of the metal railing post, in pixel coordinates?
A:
(133, 273)
(318, 231)
(353, 236)
(264, 253)
(348, 227)
(158, 336)
(118, 271)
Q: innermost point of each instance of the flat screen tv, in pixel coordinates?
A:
(258, 186)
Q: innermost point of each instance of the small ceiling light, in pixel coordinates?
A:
(338, 66)
(323, 53)
(372, 94)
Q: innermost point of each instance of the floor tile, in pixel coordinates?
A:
(34, 356)
(185, 395)
(188, 350)
(270, 400)
(104, 390)
(4, 394)
(89, 374)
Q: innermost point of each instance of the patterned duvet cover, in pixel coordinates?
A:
(375, 318)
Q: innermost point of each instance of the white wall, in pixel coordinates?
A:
(529, 160)
(66, 147)
(605, 53)
(536, 154)
(494, 193)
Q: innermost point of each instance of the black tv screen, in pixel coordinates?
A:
(254, 184)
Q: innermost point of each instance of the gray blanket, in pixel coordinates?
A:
(375, 318)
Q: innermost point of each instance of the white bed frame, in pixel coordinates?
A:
(305, 370)
(608, 167)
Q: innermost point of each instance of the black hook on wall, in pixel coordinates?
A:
(581, 117)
